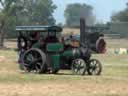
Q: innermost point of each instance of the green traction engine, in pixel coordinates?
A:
(41, 51)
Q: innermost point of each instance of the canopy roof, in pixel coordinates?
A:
(39, 28)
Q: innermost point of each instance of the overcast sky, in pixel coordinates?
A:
(103, 9)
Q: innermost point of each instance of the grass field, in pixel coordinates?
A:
(112, 82)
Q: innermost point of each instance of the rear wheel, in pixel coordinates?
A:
(34, 60)
(94, 67)
(79, 67)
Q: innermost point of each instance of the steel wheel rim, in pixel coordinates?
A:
(33, 61)
(78, 67)
(95, 67)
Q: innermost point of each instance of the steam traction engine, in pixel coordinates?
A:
(41, 51)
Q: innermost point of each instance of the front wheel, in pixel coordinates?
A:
(94, 67)
(78, 67)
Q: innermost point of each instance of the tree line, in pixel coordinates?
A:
(24, 12)
(119, 23)
(40, 12)
(36, 12)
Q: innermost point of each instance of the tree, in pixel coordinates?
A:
(24, 12)
(74, 12)
(121, 16)
(119, 23)
(35, 12)
(6, 14)
(60, 24)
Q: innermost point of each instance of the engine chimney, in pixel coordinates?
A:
(83, 33)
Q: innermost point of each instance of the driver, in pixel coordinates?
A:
(39, 44)
(34, 36)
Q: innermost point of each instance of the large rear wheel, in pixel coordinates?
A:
(34, 60)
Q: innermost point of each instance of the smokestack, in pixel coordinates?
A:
(83, 34)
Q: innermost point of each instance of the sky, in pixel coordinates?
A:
(103, 9)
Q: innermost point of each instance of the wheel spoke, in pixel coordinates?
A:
(78, 66)
(94, 67)
(37, 67)
(33, 60)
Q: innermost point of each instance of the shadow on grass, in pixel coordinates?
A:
(57, 74)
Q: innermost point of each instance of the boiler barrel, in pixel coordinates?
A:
(72, 53)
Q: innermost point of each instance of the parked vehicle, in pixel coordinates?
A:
(42, 51)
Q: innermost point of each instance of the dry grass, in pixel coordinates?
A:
(112, 82)
(74, 88)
